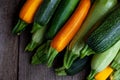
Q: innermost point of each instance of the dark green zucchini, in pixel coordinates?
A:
(77, 66)
(62, 13)
(44, 14)
(107, 34)
(42, 18)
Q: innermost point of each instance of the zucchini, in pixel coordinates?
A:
(44, 14)
(26, 15)
(107, 34)
(77, 66)
(61, 15)
(98, 11)
(116, 62)
(42, 17)
(60, 40)
(101, 61)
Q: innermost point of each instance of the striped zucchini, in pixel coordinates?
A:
(107, 34)
(98, 11)
(101, 61)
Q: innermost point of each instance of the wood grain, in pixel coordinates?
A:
(8, 42)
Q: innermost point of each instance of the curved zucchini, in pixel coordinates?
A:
(61, 15)
(107, 34)
(101, 61)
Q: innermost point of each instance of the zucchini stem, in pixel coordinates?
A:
(31, 46)
(37, 39)
(20, 26)
(60, 71)
(41, 54)
(91, 75)
(36, 27)
(69, 59)
(46, 54)
(115, 75)
(51, 56)
(115, 65)
(86, 51)
(35, 60)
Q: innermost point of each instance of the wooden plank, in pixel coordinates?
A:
(8, 42)
(38, 72)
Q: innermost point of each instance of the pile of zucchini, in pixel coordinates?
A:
(87, 32)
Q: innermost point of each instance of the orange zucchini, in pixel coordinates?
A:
(66, 33)
(26, 15)
(104, 74)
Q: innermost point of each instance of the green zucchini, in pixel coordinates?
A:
(44, 14)
(61, 15)
(98, 11)
(101, 61)
(116, 62)
(77, 66)
(107, 34)
(42, 18)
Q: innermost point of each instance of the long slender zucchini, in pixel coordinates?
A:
(61, 15)
(42, 17)
(107, 34)
(101, 61)
(116, 62)
(66, 33)
(44, 14)
(77, 66)
(99, 10)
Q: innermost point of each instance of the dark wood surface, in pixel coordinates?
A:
(14, 61)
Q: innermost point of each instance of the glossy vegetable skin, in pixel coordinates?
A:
(101, 61)
(104, 74)
(26, 15)
(44, 14)
(42, 18)
(61, 15)
(77, 47)
(66, 33)
(107, 34)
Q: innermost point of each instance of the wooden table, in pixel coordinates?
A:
(14, 62)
